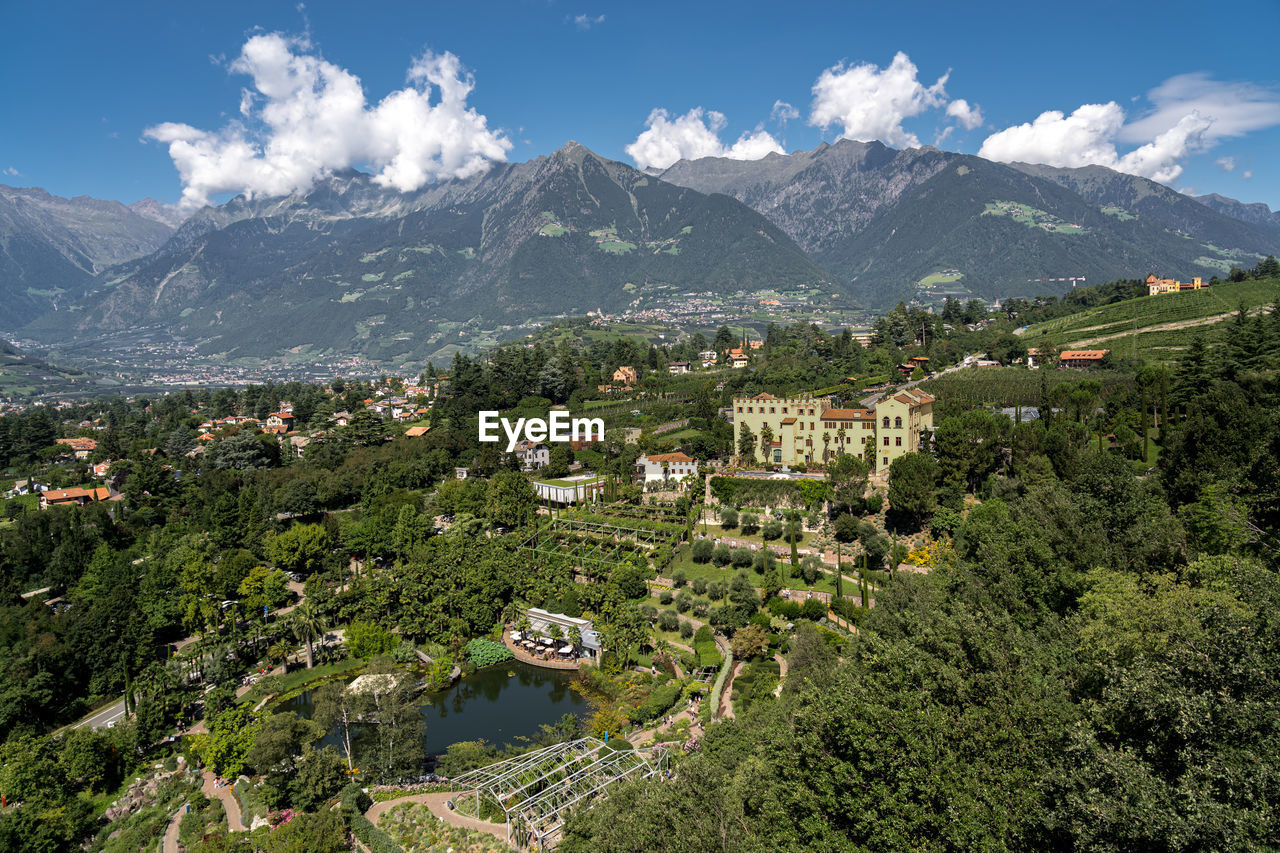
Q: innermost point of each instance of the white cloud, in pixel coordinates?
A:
(691, 136)
(968, 117)
(586, 22)
(1233, 108)
(869, 103)
(783, 112)
(1247, 174)
(304, 117)
(1228, 164)
(11, 172)
(1086, 137)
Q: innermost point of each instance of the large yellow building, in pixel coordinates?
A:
(804, 430)
(1156, 286)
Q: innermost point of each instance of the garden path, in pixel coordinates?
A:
(435, 802)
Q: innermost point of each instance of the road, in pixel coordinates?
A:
(108, 716)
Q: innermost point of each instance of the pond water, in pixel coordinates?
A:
(489, 704)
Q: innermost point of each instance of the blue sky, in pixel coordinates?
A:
(146, 99)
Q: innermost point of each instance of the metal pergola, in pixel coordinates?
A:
(536, 790)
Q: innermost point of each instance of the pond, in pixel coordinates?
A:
(489, 704)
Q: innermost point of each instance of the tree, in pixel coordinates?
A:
(746, 444)
(366, 639)
(766, 443)
(300, 548)
(308, 624)
(264, 589)
(913, 489)
(511, 499)
(750, 641)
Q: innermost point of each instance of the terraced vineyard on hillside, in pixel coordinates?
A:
(1156, 327)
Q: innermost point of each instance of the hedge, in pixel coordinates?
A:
(372, 837)
(757, 491)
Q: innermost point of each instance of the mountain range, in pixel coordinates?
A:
(350, 267)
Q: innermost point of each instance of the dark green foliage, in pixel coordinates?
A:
(486, 652)
(701, 550)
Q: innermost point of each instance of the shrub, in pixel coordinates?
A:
(700, 607)
(664, 597)
(846, 527)
(659, 702)
(743, 557)
(699, 586)
(686, 629)
(722, 556)
(668, 621)
(750, 523)
(814, 609)
(716, 590)
(649, 612)
(684, 601)
(810, 569)
(771, 530)
(728, 518)
(702, 549)
(404, 653)
(875, 503)
(678, 578)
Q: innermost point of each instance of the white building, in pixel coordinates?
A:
(666, 467)
(533, 455)
(540, 622)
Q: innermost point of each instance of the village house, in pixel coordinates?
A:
(676, 368)
(280, 419)
(81, 447)
(68, 497)
(626, 375)
(533, 455)
(1081, 358)
(665, 467)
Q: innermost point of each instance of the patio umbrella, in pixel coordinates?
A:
(547, 641)
(516, 635)
(566, 650)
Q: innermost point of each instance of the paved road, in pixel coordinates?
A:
(105, 718)
(109, 715)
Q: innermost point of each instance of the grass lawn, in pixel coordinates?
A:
(715, 531)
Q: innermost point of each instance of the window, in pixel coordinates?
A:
(885, 460)
(777, 456)
(739, 410)
(750, 410)
(886, 421)
(886, 441)
(898, 441)
(897, 423)
(772, 410)
(784, 410)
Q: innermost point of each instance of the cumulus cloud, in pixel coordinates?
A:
(11, 172)
(1086, 137)
(586, 22)
(869, 103)
(693, 135)
(303, 117)
(1228, 164)
(1247, 174)
(968, 117)
(1190, 113)
(783, 112)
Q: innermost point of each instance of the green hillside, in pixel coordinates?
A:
(1155, 327)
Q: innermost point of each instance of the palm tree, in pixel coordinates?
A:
(766, 442)
(841, 435)
(575, 636)
(308, 625)
(826, 442)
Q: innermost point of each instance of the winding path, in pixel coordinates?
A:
(229, 802)
(435, 802)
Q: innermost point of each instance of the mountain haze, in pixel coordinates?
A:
(51, 248)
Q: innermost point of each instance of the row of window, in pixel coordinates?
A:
(897, 441)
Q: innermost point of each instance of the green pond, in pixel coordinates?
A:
(497, 704)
